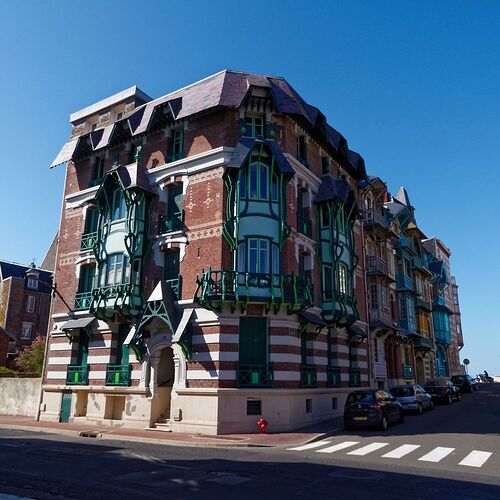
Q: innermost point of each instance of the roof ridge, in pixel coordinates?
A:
(24, 265)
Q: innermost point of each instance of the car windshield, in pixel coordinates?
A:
(458, 378)
(360, 397)
(402, 392)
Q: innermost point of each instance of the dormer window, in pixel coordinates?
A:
(98, 171)
(254, 126)
(32, 283)
(177, 147)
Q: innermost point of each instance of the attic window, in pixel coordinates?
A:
(302, 149)
(325, 165)
(32, 283)
(254, 126)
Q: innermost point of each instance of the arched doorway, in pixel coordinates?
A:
(166, 369)
(420, 370)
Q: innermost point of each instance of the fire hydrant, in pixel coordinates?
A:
(262, 424)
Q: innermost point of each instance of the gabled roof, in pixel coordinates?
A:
(402, 197)
(130, 177)
(224, 89)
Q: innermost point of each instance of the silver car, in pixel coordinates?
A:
(412, 397)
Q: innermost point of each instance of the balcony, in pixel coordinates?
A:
(354, 377)
(417, 262)
(378, 317)
(407, 372)
(401, 242)
(88, 241)
(83, 301)
(442, 336)
(124, 300)
(176, 286)
(422, 343)
(333, 376)
(304, 226)
(375, 218)
(423, 304)
(217, 287)
(171, 222)
(261, 375)
(377, 266)
(118, 375)
(308, 376)
(77, 375)
(380, 370)
(404, 283)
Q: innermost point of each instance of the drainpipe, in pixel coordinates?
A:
(47, 337)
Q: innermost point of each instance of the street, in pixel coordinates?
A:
(450, 452)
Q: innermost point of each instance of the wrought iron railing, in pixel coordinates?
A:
(333, 376)
(418, 262)
(404, 282)
(88, 241)
(118, 374)
(354, 377)
(423, 304)
(308, 376)
(77, 375)
(382, 316)
(260, 375)
(375, 217)
(124, 299)
(378, 266)
(421, 342)
(222, 285)
(176, 286)
(407, 372)
(83, 300)
(304, 226)
(401, 242)
(170, 222)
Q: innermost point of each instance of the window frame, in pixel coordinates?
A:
(251, 126)
(32, 283)
(113, 266)
(31, 304)
(27, 326)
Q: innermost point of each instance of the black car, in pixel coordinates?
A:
(371, 408)
(465, 383)
(443, 390)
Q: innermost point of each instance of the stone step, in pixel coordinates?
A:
(162, 426)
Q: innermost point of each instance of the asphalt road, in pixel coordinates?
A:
(452, 452)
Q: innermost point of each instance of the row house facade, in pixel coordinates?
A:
(215, 261)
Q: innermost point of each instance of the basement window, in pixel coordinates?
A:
(254, 407)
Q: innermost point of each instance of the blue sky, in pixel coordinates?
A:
(414, 86)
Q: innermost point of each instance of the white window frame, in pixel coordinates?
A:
(32, 283)
(31, 304)
(27, 331)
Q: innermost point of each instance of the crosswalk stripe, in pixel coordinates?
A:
(401, 451)
(336, 447)
(476, 458)
(309, 446)
(364, 450)
(437, 454)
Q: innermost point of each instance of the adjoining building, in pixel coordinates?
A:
(211, 263)
(25, 295)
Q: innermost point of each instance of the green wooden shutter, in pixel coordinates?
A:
(86, 278)
(253, 340)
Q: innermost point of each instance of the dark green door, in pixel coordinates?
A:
(65, 407)
(253, 340)
(91, 220)
(122, 350)
(171, 270)
(86, 282)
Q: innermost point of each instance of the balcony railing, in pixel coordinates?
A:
(404, 282)
(260, 375)
(380, 369)
(423, 304)
(422, 343)
(401, 242)
(376, 265)
(170, 222)
(308, 376)
(381, 316)
(354, 377)
(407, 372)
(333, 376)
(176, 286)
(374, 217)
(118, 375)
(418, 262)
(77, 375)
(304, 226)
(124, 299)
(442, 336)
(88, 241)
(83, 300)
(235, 286)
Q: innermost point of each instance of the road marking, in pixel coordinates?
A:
(476, 458)
(309, 446)
(337, 447)
(401, 451)
(364, 450)
(437, 454)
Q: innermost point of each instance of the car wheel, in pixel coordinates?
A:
(383, 423)
(420, 410)
(449, 399)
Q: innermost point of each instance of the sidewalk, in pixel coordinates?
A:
(296, 438)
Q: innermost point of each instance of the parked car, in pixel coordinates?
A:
(465, 383)
(443, 390)
(372, 408)
(413, 397)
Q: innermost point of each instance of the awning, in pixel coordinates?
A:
(66, 152)
(75, 324)
(356, 330)
(312, 318)
(181, 328)
(100, 138)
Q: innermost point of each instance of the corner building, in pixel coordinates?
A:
(209, 266)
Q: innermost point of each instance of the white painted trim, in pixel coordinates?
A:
(279, 357)
(216, 338)
(60, 347)
(57, 375)
(66, 360)
(75, 200)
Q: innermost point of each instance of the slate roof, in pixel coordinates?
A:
(332, 189)
(226, 89)
(14, 270)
